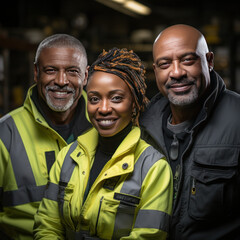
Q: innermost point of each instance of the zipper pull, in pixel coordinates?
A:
(174, 148)
(194, 186)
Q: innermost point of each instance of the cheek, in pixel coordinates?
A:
(91, 110)
(127, 110)
(161, 81)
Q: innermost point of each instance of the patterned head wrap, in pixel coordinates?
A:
(128, 66)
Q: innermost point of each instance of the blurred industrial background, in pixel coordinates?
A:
(103, 24)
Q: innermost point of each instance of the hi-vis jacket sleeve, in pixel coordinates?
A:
(47, 219)
(153, 218)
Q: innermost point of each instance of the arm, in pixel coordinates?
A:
(3, 163)
(152, 220)
(48, 224)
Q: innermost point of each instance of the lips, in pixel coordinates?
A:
(106, 123)
(181, 87)
(60, 94)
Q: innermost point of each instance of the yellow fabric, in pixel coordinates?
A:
(37, 138)
(156, 191)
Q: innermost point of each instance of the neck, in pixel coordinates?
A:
(110, 144)
(181, 114)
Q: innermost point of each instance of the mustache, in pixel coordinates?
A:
(182, 81)
(58, 88)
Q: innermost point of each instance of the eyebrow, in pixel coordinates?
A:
(111, 92)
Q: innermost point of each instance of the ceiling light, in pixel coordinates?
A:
(129, 7)
(137, 7)
(119, 1)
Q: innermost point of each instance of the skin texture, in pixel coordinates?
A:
(182, 65)
(60, 76)
(110, 103)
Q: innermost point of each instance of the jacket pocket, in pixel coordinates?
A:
(64, 198)
(116, 217)
(213, 183)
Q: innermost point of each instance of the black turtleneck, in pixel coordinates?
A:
(105, 149)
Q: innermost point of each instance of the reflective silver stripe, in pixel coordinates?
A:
(23, 195)
(27, 190)
(133, 183)
(20, 162)
(52, 191)
(132, 186)
(155, 219)
(65, 175)
(68, 164)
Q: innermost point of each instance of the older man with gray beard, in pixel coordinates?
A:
(53, 115)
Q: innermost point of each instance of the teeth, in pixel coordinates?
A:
(61, 93)
(106, 121)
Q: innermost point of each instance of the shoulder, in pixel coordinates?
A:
(66, 151)
(227, 108)
(154, 109)
(149, 154)
(17, 112)
(8, 122)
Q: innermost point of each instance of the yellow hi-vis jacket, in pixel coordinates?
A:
(28, 147)
(130, 199)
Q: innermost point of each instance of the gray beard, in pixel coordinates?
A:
(59, 108)
(182, 100)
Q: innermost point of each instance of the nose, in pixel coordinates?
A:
(105, 107)
(177, 71)
(61, 79)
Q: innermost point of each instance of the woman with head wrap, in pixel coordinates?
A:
(109, 184)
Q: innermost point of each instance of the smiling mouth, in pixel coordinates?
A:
(60, 94)
(181, 87)
(106, 123)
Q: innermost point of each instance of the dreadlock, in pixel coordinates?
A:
(128, 66)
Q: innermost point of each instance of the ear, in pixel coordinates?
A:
(154, 66)
(36, 72)
(86, 76)
(210, 58)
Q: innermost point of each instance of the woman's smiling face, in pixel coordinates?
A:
(110, 103)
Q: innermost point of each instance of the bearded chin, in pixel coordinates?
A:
(183, 99)
(57, 108)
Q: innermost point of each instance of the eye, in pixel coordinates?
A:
(73, 72)
(93, 99)
(163, 64)
(50, 71)
(117, 98)
(189, 60)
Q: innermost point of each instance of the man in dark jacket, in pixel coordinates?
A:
(194, 121)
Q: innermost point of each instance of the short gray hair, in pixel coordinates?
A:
(60, 40)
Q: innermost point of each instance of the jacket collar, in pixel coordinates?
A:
(31, 107)
(78, 128)
(89, 141)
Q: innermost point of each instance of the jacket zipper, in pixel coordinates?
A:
(99, 209)
(179, 185)
(176, 183)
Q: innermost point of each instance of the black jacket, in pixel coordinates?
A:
(207, 204)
